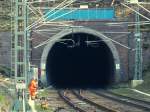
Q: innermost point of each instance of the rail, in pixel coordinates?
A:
(140, 104)
(102, 107)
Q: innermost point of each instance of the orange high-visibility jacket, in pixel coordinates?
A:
(32, 87)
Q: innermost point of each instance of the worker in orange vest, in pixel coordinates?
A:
(33, 88)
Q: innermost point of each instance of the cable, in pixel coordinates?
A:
(143, 8)
(136, 12)
(40, 20)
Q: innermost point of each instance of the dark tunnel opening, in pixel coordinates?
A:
(80, 60)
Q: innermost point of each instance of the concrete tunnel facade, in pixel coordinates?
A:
(80, 58)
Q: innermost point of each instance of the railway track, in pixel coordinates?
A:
(55, 102)
(144, 105)
(116, 105)
(95, 101)
(83, 105)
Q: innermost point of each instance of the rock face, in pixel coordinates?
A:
(5, 49)
(5, 7)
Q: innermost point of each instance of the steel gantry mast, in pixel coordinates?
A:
(21, 51)
(137, 79)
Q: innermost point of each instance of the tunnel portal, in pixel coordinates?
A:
(80, 60)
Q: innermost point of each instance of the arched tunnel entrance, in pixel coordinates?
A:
(80, 60)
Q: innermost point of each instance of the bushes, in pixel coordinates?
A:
(5, 71)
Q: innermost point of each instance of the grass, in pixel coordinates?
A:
(2, 98)
(144, 87)
(38, 107)
(43, 93)
(128, 92)
(5, 101)
(6, 96)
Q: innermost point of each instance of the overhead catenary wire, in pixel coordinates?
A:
(130, 24)
(112, 23)
(79, 2)
(61, 4)
(139, 24)
(43, 23)
(143, 3)
(135, 11)
(58, 18)
(106, 37)
(48, 30)
(58, 10)
(47, 14)
(35, 9)
(116, 42)
(112, 3)
(143, 8)
(31, 2)
(43, 34)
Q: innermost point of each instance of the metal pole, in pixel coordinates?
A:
(138, 49)
(21, 51)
